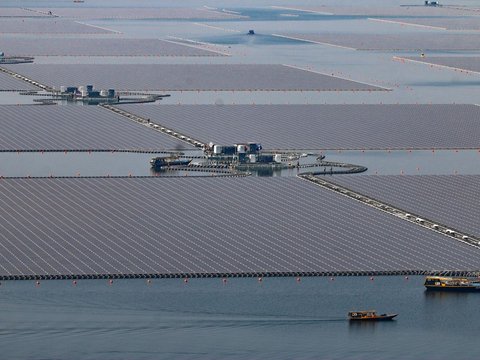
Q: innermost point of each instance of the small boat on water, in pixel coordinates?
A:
(161, 162)
(440, 283)
(369, 315)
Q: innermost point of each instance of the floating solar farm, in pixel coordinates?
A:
(80, 128)
(8, 83)
(460, 23)
(391, 42)
(100, 47)
(394, 11)
(178, 77)
(23, 13)
(225, 222)
(141, 13)
(329, 126)
(467, 63)
(99, 228)
(49, 25)
(449, 200)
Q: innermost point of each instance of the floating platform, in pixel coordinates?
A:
(76, 128)
(175, 227)
(323, 126)
(189, 77)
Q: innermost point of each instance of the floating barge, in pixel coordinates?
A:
(162, 162)
(454, 284)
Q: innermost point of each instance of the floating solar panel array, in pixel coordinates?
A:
(99, 47)
(18, 12)
(394, 11)
(59, 128)
(471, 63)
(9, 83)
(323, 126)
(390, 42)
(459, 23)
(140, 13)
(450, 200)
(47, 26)
(188, 77)
(101, 227)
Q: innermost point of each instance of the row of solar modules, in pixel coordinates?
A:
(274, 126)
(393, 11)
(212, 14)
(451, 200)
(234, 226)
(420, 41)
(51, 127)
(189, 77)
(167, 13)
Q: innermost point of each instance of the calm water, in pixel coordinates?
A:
(415, 162)
(242, 319)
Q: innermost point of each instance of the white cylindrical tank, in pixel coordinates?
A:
(277, 158)
(63, 89)
(103, 93)
(84, 92)
(241, 149)
(217, 149)
(253, 158)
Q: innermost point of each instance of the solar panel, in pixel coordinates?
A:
(42, 127)
(17, 12)
(418, 42)
(9, 83)
(451, 200)
(99, 47)
(323, 126)
(468, 63)
(47, 25)
(189, 77)
(99, 227)
(459, 23)
(140, 13)
(394, 11)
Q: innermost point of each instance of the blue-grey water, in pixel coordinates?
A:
(278, 318)
(381, 162)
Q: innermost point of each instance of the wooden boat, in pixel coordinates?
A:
(456, 284)
(369, 315)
